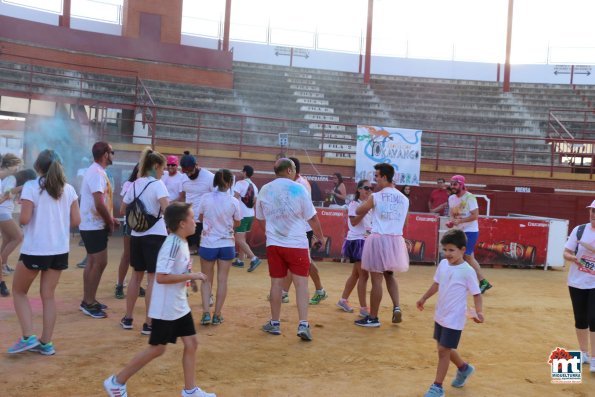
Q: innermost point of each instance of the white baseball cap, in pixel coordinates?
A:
(592, 205)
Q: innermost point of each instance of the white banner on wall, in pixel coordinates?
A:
(399, 147)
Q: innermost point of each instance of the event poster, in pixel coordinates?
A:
(399, 147)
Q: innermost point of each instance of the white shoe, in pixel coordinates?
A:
(585, 358)
(197, 392)
(114, 390)
(7, 270)
(592, 365)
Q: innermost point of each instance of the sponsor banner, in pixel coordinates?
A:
(512, 241)
(421, 231)
(399, 147)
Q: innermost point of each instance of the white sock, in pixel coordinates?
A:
(302, 322)
(254, 258)
(320, 291)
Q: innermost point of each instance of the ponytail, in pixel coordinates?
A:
(223, 179)
(148, 160)
(52, 178)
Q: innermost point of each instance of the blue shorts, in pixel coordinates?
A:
(447, 337)
(471, 240)
(212, 254)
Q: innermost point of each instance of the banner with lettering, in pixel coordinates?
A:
(399, 147)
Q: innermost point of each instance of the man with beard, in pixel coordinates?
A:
(464, 213)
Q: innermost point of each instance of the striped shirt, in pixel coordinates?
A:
(169, 301)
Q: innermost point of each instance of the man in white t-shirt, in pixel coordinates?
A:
(97, 223)
(173, 179)
(284, 207)
(242, 189)
(197, 182)
(464, 213)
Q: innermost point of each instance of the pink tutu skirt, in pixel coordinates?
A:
(385, 253)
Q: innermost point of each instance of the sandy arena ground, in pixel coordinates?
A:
(528, 314)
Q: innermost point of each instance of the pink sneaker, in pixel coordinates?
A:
(343, 304)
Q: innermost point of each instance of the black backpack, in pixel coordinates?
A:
(137, 216)
(579, 235)
(248, 198)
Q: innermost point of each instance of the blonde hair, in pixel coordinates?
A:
(148, 160)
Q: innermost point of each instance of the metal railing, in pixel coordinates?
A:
(195, 129)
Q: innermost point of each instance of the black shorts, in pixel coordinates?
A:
(194, 240)
(144, 251)
(168, 331)
(95, 240)
(447, 337)
(45, 262)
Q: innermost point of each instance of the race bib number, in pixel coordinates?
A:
(587, 265)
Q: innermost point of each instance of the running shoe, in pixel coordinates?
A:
(304, 332)
(368, 322)
(217, 319)
(7, 270)
(206, 318)
(211, 301)
(82, 264)
(147, 329)
(364, 312)
(343, 304)
(119, 292)
(585, 358)
(254, 264)
(397, 315)
(126, 323)
(592, 365)
(197, 392)
(462, 376)
(237, 263)
(92, 310)
(47, 349)
(141, 292)
(285, 297)
(24, 344)
(317, 298)
(4, 289)
(271, 328)
(484, 285)
(114, 389)
(434, 391)
(101, 305)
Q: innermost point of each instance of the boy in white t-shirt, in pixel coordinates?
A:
(454, 278)
(169, 307)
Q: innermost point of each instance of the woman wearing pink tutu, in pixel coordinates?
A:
(385, 251)
(359, 228)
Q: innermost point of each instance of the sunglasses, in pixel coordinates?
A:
(367, 188)
(172, 165)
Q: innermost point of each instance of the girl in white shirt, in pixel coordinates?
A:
(359, 228)
(220, 214)
(11, 232)
(49, 208)
(144, 246)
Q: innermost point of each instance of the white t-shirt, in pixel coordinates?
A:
(241, 187)
(95, 180)
(173, 184)
(390, 211)
(462, 206)
(582, 277)
(169, 301)
(454, 284)
(6, 186)
(150, 198)
(48, 231)
(358, 232)
(285, 206)
(219, 211)
(196, 188)
(305, 183)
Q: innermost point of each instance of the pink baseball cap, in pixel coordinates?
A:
(592, 205)
(458, 178)
(172, 160)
